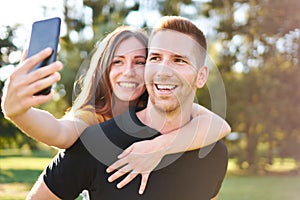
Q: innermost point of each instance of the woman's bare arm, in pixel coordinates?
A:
(142, 157)
(18, 102)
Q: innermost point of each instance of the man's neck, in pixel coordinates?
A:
(119, 107)
(165, 122)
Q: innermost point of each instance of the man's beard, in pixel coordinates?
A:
(164, 107)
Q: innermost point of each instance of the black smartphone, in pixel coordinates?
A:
(44, 33)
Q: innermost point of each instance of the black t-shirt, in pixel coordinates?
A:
(181, 176)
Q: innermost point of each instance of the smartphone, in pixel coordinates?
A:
(44, 33)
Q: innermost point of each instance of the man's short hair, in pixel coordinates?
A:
(182, 25)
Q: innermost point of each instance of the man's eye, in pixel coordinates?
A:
(179, 60)
(154, 58)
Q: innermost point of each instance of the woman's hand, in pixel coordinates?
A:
(18, 95)
(139, 158)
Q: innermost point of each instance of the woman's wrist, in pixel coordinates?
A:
(164, 143)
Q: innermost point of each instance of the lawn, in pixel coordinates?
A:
(18, 172)
(260, 188)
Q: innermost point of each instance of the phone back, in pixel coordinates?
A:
(44, 34)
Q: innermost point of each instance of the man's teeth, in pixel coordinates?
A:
(165, 87)
(128, 85)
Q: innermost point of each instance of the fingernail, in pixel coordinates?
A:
(58, 64)
(48, 49)
(56, 76)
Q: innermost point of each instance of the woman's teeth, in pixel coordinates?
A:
(127, 85)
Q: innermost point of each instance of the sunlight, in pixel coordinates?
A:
(6, 71)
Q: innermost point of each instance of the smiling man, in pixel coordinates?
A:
(172, 75)
(174, 71)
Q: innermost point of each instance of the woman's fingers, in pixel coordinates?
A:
(29, 63)
(43, 83)
(22, 74)
(144, 182)
(20, 87)
(116, 165)
(29, 84)
(125, 152)
(24, 54)
(43, 72)
(40, 99)
(124, 170)
(128, 179)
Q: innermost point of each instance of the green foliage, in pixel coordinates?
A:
(263, 99)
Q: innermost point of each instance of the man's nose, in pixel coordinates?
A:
(164, 70)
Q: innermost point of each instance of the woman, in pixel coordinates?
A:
(113, 82)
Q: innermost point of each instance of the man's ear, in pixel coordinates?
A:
(202, 76)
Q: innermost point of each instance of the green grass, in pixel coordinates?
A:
(260, 188)
(18, 172)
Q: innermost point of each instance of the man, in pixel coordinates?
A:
(174, 71)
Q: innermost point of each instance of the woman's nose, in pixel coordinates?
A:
(129, 69)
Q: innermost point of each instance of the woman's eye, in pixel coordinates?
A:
(116, 62)
(141, 63)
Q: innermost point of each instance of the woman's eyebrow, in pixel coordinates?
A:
(123, 56)
(140, 56)
(119, 56)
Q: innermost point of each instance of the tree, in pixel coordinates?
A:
(250, 33)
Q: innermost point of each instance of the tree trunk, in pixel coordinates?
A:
(251, 149)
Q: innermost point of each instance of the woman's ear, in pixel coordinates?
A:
(202, 76)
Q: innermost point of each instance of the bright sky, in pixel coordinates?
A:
(20, 11)
(24, 13)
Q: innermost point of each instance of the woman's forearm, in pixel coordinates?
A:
(44, 127)
(142, 157)
(19, 99)
(201, 131)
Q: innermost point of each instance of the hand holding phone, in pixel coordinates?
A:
(44, 34)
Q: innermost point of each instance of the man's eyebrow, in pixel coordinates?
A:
(153, 54)
(180, 56)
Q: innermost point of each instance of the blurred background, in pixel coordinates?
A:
(254, 44)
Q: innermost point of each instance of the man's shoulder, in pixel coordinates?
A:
(221, 147)
(217, 150)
